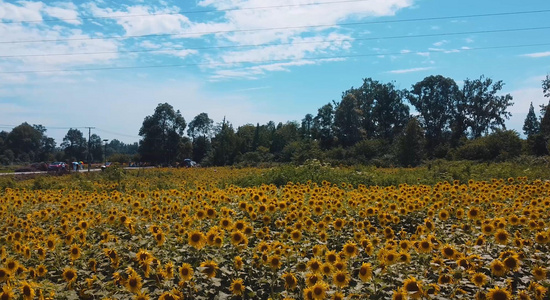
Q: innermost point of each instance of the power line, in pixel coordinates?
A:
(270, 61)
(183, 12)
(281, 44)
(271, 28)
(116, 133)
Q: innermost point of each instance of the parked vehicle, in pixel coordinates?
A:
(57, 166)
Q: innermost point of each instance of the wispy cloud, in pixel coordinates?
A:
(537, 54)
(412, 70)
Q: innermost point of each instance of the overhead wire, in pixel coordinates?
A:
(267, 28)
(273, 60)
(280, 44)
(181, 12)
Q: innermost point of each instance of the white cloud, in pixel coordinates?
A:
(469, 40)
(537, 54)
(24, 12)
(441, 43)
(67, 11)
(151, 21)
(425, 54)
(405, 51)
(404, 71)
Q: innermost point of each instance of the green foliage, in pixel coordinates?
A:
(498, 146)
(531, 125)
(484, 108)
(436, 99)
(410, 145)
(162, 135)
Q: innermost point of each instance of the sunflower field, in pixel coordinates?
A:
(190, 234)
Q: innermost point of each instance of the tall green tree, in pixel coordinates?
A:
(485, 109)
(545, 122)
(435, 99)
(348, 119)
(546, 86)
(307, 126)
(201, 125)
(162, 135)
(323, 126)
(200, 129)
(410, 146)
(531, 125)
(26, 142)
(284, 135)
(74, 145)
(389, 113)
(224, 145)
(96, 148)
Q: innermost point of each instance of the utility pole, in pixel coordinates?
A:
(89, 145)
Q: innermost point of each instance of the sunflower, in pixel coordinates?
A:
(445, 279)
(238, 262)
(391, 257)
(237, 287)
(209, 268)
(141, 296)
(69, 275)
(27, 291)
(412, 287)
(404, 257)
(365, 272)
(487, 229)
(7, 293)
(523, 295)
(448, 251)
(512, 263)
(51, 242)
(498, 294)
(237, 237)
(539, 273)
(314, 265)
(196, 239)
(11, 265)
(160, 238)
(143, 256)
(479, 279)
(133, 283)
(498, 268)
(41, 253)
(4, 274)
(501, 237)
(74, 252)
(350, 249)
(399, 295)
(338, 296)
(424, 246)
(331, 256)
(186, 272)
(326, 269)
(290, 281)
(341, 279)
(319, 290)
(41, 270)
(296, 235)
(312, 279)
(275, 262)
(168, 296)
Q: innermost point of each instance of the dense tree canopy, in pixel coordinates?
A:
(162, 135)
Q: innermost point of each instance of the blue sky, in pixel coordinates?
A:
(109, 63)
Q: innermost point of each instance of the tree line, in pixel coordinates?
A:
(27, 143)
(375, 123)
(371, 124)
